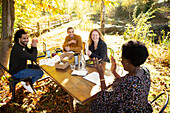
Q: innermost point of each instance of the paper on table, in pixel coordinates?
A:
(79, 72)
(49, 61)
(65, 58)
(94, 77)
(70, 52)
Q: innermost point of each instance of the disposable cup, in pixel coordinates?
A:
(72, 66)
(48, 54)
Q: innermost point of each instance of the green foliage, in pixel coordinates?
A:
(164, 41)
(163, 9)
(144, 7)
(111, 52)
(148, 5)
(140, 29)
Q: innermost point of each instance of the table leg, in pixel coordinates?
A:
(71, 104)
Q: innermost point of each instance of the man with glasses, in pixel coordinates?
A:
(72, 42)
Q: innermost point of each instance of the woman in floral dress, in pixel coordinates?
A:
(128, 93)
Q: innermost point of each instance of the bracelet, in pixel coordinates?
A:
(102, 80)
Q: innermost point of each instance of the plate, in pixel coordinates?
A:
(90, 63)
(58, 50)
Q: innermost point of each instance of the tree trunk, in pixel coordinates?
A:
(7, 31)
(102, 17)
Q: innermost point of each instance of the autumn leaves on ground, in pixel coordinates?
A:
(51, 98)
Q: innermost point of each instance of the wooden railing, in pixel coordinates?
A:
(39, 28)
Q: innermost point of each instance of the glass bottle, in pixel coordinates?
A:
(82, 61)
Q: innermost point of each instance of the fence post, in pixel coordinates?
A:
(48, 26)
(38, 28)
(60, 22)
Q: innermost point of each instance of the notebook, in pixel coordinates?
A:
(42, 54)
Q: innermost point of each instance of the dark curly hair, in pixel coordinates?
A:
(135, 51)
(18, 34)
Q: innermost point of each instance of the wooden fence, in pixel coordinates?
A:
(39, 28)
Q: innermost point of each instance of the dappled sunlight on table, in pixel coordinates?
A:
(65, 81)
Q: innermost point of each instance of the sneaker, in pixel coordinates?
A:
(23, 83)
(27, 87)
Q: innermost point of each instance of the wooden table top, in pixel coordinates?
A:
(78, 87)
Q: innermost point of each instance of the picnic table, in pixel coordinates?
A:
(76, 86)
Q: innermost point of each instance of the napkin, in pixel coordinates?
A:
(79, 72)
(94, 78)
(49, 61)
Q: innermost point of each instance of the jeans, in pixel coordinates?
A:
(36, 73)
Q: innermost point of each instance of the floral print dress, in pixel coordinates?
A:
(128, 94)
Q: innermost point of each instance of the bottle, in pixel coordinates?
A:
(82, 61)
(76, 59)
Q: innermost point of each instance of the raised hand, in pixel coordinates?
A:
(100, 70)
(72, 41)
(113, 66)
(98, 66)
(34, 42)
(67, 48)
